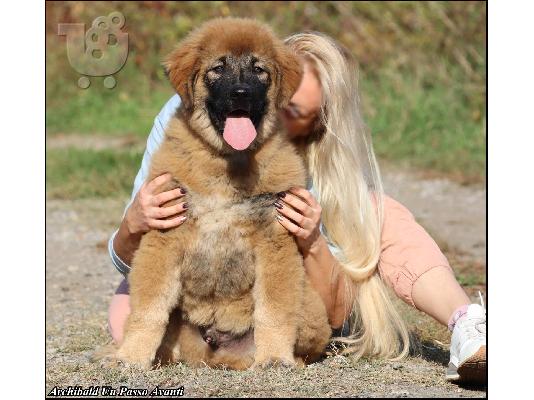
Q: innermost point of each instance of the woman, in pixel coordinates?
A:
(352, 237)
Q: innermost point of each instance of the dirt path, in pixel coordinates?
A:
(452, 213)
(80, 280)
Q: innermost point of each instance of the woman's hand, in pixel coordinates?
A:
(146, 213)
(300, 214)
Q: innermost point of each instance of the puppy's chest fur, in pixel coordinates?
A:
(230, 211)
(220, 259)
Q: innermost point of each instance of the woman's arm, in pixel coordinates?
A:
(329, 280)
(142, 206)
(323, 269)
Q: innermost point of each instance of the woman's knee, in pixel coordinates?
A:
(119, 309)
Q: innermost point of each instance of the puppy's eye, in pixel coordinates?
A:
(218, 69)
(258, 70)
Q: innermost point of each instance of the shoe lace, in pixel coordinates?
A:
(481, 300)
(474, 326)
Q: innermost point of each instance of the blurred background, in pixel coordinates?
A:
(422, 81)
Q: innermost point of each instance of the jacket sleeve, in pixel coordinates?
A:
(153, 142)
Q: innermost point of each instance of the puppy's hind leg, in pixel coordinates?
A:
(154, 292)
(314, 329)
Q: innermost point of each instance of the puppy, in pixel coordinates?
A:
(228, 286)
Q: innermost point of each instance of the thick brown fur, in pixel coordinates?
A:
(231, 266)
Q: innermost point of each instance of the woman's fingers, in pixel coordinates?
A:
(158, 181)
(167, 196)
(290, 226)
(164, 212)
(298, 218)
(305, 195)
(296, 202)
(300, 214)
(167, 223)
(303, 201)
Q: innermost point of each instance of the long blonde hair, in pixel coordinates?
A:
(345, 175)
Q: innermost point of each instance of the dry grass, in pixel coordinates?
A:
(80, 282)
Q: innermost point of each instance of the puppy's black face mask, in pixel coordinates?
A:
(237, 97)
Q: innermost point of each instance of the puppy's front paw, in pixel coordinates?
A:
(106, 356)
(134, 359)
(110, 361)
(276, 362)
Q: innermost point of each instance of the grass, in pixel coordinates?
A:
(129, 108)
(111, 113)
(422, 125)
(422, 72)
(333, 377)
(470, 279)
(425, 125)
(74, 173)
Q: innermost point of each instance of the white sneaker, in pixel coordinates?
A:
(468, 347)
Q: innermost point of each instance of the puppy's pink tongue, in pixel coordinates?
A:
(239, 132)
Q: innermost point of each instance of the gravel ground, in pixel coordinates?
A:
(454, 214)
(80, 280)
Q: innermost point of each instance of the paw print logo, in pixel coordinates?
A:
(101, 51)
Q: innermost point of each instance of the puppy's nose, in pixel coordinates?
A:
(240, 91)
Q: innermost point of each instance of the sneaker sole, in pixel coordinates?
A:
(474, 368)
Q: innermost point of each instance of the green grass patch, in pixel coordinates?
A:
(129, 108)
(422, 65)
(467, 279)
(427, 125)
(110, 112)
(73, 173)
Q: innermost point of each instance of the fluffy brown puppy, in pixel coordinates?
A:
(231, 270)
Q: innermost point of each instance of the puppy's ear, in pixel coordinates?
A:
(289, 74)
(181, 67)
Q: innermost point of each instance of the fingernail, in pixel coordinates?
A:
(281, 194)
(184, 218)
(278, 205)
(185, 205)
(279, 217)
(183, 191)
